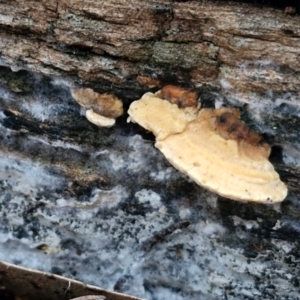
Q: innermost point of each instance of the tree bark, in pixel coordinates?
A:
(247, 48)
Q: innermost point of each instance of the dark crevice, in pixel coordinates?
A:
(279, 4)
(276, 154)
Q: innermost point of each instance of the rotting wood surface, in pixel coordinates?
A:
(245, 48)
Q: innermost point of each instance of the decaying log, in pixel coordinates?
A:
(97, 184)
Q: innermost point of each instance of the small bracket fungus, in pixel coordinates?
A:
(213, 147)
(148, 81)
(102, 109)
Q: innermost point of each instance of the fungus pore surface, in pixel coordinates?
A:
(99, 120)
(212, 146)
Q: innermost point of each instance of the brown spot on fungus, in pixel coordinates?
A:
(229, 126)
(179, 96)
(213, 147)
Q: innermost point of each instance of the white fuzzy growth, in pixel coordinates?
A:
(135, 159)
(162, 174)
(291, 101)
(30, 258)
(117, 161)
(258, 112)
(249, 224)
(282, 245)
(5, 95)
(15, 216)
(2, 117)
(225, 84)
(62, 82)
(65, 145)
(277, 225)
(184, 213)
(42, 109)
(82, 111)
(258, 64)
(291, 155)
(264, 63)
(148, 196)
(62, 202)
(166, 294)
(98, 153)
(26, 176)
(3, 63)
(108, 199)
(212, 229)
(99, 199)
(58, 144)
(219, 102)
(15, 68)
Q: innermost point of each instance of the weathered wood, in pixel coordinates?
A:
(252, 49)
(31, 284)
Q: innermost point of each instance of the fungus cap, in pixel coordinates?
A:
(229, 167)
(107, 105)
(159, 116)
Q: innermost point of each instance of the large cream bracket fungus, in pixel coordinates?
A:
(212, 146)
(101, 109)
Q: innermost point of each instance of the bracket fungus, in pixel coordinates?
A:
(101, 109)
(212, 146)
